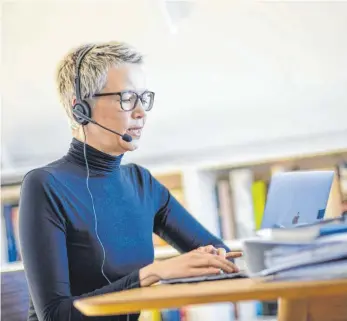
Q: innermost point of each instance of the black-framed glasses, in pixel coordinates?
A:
(129, 99)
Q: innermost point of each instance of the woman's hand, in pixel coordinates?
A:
(194, 263)
(219, 251)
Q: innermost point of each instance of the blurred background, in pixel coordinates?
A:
(244, 89)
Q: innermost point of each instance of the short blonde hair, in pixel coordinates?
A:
(93, 70)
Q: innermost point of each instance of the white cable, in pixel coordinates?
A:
(94, 211)
(95, 217)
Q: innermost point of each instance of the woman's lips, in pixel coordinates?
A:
(135, 131)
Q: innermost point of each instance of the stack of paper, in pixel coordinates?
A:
(316, 251)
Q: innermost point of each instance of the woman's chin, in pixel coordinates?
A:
(131, 146)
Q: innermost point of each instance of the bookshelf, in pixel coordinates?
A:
(226, 197)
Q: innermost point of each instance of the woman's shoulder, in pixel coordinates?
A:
(144, 176)
(44, 174)
(139, 173)
(138, 170)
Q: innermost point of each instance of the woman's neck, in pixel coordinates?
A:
(85, 155)
(97, 144)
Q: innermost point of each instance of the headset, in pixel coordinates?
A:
(81, 107)
(81, 110)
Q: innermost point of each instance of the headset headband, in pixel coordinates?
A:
(78, 66)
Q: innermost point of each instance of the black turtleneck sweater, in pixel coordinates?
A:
(61, 253)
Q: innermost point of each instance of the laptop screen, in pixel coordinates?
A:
(296, 198)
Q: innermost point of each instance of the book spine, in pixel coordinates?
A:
(11, 241)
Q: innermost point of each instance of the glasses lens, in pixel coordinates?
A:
(147, 100)
(128, 100)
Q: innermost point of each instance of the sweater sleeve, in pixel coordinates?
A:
(174, 224)
(42, 227)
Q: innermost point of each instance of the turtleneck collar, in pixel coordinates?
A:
(98, 161)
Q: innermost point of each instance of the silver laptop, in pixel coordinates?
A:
(294, 198)
(297, 198)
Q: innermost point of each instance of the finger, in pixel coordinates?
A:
(210, 249)
(211, 260)
(233, 254)
(223, 264)
(204, 271)
(204, 249)
(222, 252)
(201, 260)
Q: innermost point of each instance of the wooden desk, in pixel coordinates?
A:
(298, 301)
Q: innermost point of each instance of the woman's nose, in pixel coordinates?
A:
(139, 111)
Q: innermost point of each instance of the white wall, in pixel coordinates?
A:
(235, 74)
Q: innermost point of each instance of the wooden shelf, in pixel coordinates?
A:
(9, 267)
(10, 193)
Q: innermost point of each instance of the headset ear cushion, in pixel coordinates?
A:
(84, 108)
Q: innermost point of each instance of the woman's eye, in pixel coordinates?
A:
(128, 97)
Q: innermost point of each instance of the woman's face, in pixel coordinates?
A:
(108, 112)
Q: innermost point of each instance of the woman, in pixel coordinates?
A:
(86, 221)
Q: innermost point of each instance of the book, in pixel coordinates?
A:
(323, 271)
(13, 254)
(225, 210)
(283, 258)
(305, 232)
(259, 191)
(171, 315)
(265, 256)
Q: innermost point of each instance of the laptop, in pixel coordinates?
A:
(294, 199)
(297, 198)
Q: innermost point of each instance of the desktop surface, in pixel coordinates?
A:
(177, 295)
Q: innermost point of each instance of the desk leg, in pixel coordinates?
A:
(333, 308)
(291, 309)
